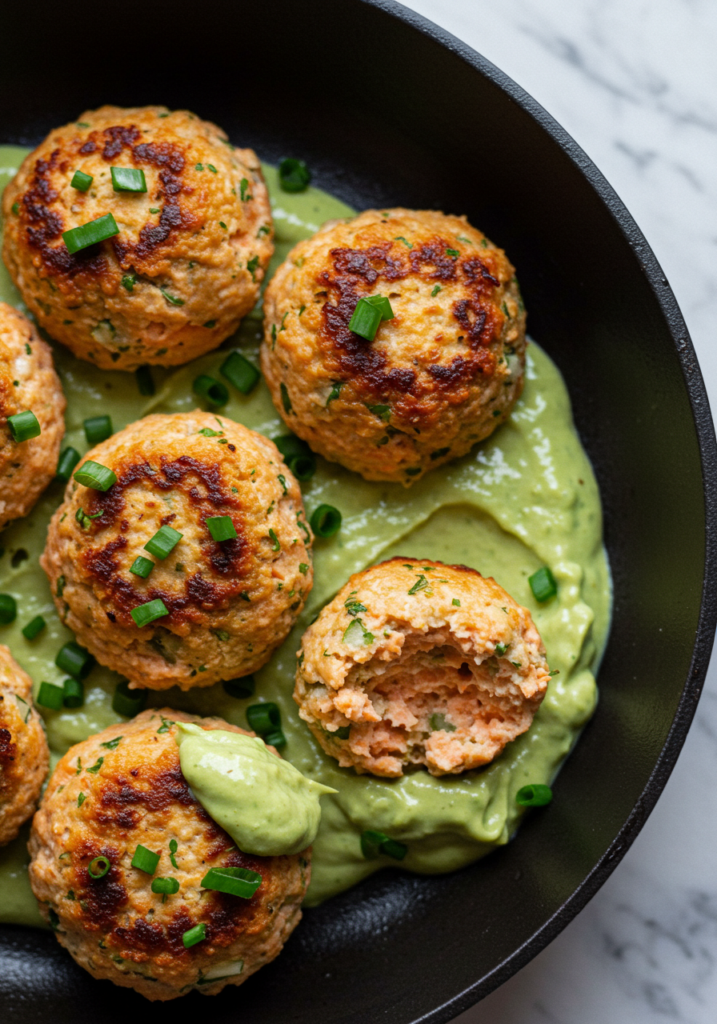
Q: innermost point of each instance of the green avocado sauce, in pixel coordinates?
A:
(526, 497)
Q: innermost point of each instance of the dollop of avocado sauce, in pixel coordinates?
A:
(525, 498)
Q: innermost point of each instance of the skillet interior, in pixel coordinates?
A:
(389, 110)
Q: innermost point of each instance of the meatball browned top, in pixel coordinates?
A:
(437, 377)
(191, 250)
(124, 788)
(225, 603)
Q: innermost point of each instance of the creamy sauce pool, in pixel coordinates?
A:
(527, 497)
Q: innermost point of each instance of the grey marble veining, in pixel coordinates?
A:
(635, 83)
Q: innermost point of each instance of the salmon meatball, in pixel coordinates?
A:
(194, 564)
(189, 253)
(28, 382)
(24, 754)
(420, 663)
(441, 374)
(124, 788)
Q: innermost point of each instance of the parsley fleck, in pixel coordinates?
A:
(335, 390)
(354, 607)
(96, 766)
(436, 290)
(456, 602)
(382, 411)
(453, 253)
(276, 546)
(400, 238)
(282, 480)
(171, 299)
(81, 799)
(212, 168)
(243, 186)
(420, 584)
(356, 634)
(251, 266)
(500, 649)
(112, 744)
(303, 568)
(285, 400)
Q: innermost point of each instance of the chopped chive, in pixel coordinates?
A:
(98, 867)
(375, 843)
(213, 391)
(8, 609)
(263, 718)
(365, 320)
(294, 175)
(95, 475)
(145, 383)
(128, 702)
(145, 860)
(74, 660)
(325, 521)
(171, 299)
(235, 881)
(149, 612)
(90, 234)
(275, 739)
(73, 693)
(128, 179)
(536, 795)
(142, 566)
(436, 290)
(66, 463)
(382, 304)
(172, 852)
(400, 238)
(194, 935)
(164, 542)
(129, 281)
(81, 181)
(221, 528)
(97, 428)
(240, 372)
(50, 696)
(166, 886)
(33, 627)
(420, 584)
(24, 426)
(543, 584)
(240, 688)
(275, 545)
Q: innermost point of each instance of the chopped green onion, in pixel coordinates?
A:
(164, 542)
(8, 609)
(240, 372)
(73, 693)
(67, 462)
(81, 181)
(375, 843)
(98, 867)
(365, 319)
(74, 660)
(95, 475)
(213, 391)
(90, 234)
(128, 702)
(221, 528)
(294, 175)
(33, 627)
(145, 860)
(536, 795)
(275, 739)
(128, 179)
(145, 383)
(97, 428)
(236, 881)
(166, 886)
(325, 521)
(146, 613)
(240, 688)
(297, 455)
(194, 935)
(543, 584)
(381, 303)
(50, 696)
(263, 718)
(142, 566)
(24, 426)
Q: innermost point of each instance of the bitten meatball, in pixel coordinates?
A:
(190, 253)
(124, 788)
(229, 572)
(27, 382)
(420, 663)
(437, 377)
(24, 754)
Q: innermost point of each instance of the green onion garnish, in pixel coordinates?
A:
(375, 843)
(67, 462)
(97, 428)
(142, 566)
(33, 627)
(213, 391)
(50, 696)
(294, 175)
(8, 609)
(275, 739)
(263, 718)
(221, 528)
(536, 795)
(146, 613)
(90, 234)
(73, 693)
(81, 181)
(166, 886)
(164, 542)
(240, 372)
(236, 881)
(365, 319)
(240, 688)
(145, 860)
(145, 384)
(128, 702)
(95, 475)
(297, 455)
(543, 584)
(381, 303)
(325, 521)
(74, 660)
(98, 867)
(196, 934)
(128, 179)
(24, 426)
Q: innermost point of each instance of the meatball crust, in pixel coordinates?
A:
(190, 254)
(24, 754)
(27, 381)
(416, 662)
(438, 377)
(229, 603)
(124, 787)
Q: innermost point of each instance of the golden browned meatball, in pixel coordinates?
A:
(223, 604)
(124, 788)
(24, 754)
(416, 662)
(27, 382)
(190, 253)
(439, 376)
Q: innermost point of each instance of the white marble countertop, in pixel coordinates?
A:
(635, 83)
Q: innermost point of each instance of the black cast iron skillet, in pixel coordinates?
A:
(387, 109)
